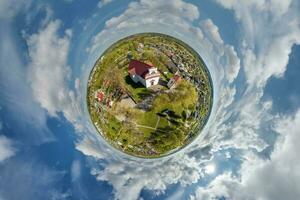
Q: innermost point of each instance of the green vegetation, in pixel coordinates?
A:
(149, 122)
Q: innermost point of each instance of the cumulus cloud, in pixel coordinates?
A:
(90, 147)
(6, 148)
(174, 12)
(227, 53)
(281, 174)
(18, 100)
(270, 29)
(209, 26)
(49, 72)
(275, 178)
(222, 186)
(129, 177)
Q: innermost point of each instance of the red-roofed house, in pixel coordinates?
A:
(99, 95)
(173, 81)
(143, 73)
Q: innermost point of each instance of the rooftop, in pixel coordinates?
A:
(139, 68)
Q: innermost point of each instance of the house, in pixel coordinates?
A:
(140, 48)
(99, 95)
(144, 73)
(173, 81)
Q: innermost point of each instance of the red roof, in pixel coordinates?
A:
(139, 68)
(176, 78)
(100, 96)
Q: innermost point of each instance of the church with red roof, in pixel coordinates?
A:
(144, 73)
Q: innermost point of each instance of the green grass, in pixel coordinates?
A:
(137, 90)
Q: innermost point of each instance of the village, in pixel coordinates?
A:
(152, 101)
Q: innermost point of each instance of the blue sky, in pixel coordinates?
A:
(248, 149)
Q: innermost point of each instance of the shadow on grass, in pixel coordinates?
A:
(130, 82)
(171, 113)
(143, 94)
(163, 83)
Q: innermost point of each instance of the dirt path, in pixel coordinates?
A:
(157, 122)
(150, 128)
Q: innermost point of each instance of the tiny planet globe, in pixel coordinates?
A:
(149, 95)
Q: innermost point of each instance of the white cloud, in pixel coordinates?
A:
(6, 148)
(277, 178)
(104, 3)
(281, 173)
(16, 95)
(227, 53)
(270, 29)
(175, 12)
(222, 186)
(209, 26)
(129, 177)
(90, 147)
(49, 72)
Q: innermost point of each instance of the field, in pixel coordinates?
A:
(149, 122)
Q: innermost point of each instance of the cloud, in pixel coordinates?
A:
(227, 53)
(129, 177)
(6, 148)
(29, 120)
(281, 174)
(104, 3)
(276, 178)
(49, 72)
(174, 12)
(210, 27)
(267, 42)
(222, 186)
(90, 147)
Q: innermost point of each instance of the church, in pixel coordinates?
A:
(144, 73)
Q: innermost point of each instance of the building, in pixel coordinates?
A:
(140, 48)
(144, 73)
(173, 81)
(99, 95)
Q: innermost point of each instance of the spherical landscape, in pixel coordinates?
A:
(149, 95)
